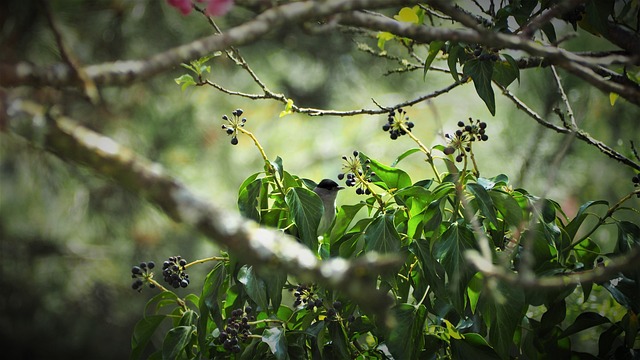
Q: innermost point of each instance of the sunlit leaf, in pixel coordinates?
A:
(275, 338)
(382, 236)
(404, 155)
(407, 15)
(253, 285)
(391, 178)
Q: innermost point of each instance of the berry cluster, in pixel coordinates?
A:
(464, 136)
(173, 272)
(236, 330)
(333, 311)
(305, 296)
(141, 274)
(357, 175)
(397, 124)
(483, 55)
(235, 122)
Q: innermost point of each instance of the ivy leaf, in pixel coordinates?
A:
(584, 321)
(573, 226)
(406, 340)
(504, 307)
(485, 204)
(505, 72)
(449, 250)
(306, 208)
(628, 236)
(434, 49)
(391, 178)
(472, 346)
(345, 215)
(176, 341)
(382, 236)
(213, 292)
(507, 207)
(249, 199)
(404, 155)
(452, 60)
(481, 73)
(274, 337)
(142, 333)
(339, 340)
(254, 285)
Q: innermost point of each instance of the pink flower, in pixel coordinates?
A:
(219, 7)
(184, 6)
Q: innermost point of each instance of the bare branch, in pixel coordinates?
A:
(555, 11)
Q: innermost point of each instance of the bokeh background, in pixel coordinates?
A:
(68, 238)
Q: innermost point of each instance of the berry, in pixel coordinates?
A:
(136, 270)
(234, 141)
(151, 265)
(337, 305)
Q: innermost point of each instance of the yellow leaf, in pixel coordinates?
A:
(612, 98)
(407, 15)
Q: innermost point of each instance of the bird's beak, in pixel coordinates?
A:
(340, 188)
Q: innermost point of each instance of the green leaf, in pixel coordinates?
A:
(505, 72)
(165, 298)
(555, 314)
(406, 338)
(382, 236)
(573, 226)
(507, 207)
(504, 306)
(449, 250)
(485, 204)
(213, 292)
(253, 285)
(249, 200)
(142, 333)
(339, 340)
(345, 215)
(392, 178)
(306, 208)
(275, 338)
(176, 341)
(185, 81)
(474, 290)
(472, 346)
(452, 60)
(404, 155)
(584, 321)
(274, 280)
(628, 236)
(434, 49)
(625, 291)
(481, 73)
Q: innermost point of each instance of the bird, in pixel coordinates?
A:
(327, 190)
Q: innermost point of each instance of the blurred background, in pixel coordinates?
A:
(68, 238)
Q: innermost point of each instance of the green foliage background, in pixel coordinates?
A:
(68, 238)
